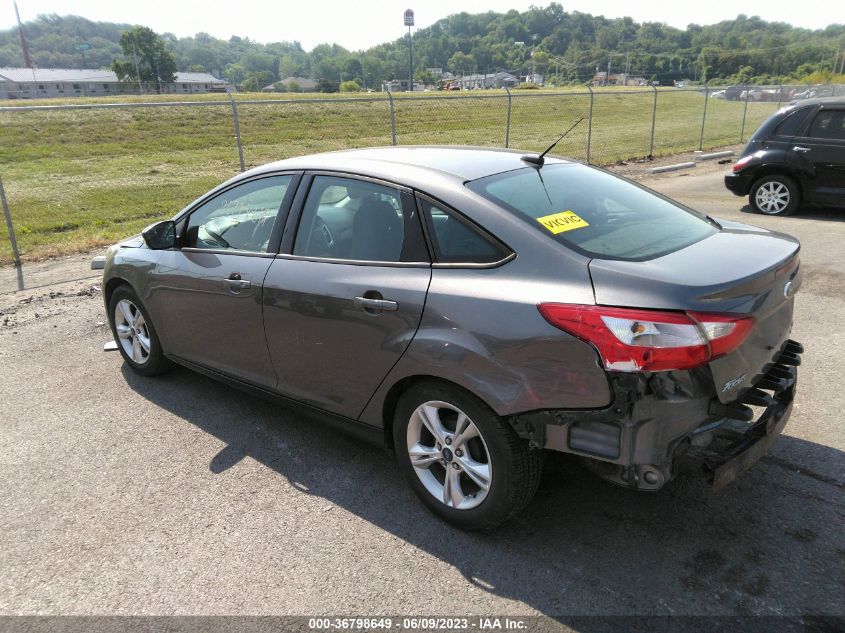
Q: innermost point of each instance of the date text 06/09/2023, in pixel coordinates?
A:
(478, 623)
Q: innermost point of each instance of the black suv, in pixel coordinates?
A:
(797, 155)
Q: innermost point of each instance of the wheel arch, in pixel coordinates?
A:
(391, 400)
(113, 284)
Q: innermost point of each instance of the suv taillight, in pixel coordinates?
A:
(650, 340)
(742, 162)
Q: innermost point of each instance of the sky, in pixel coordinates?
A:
(360, 24)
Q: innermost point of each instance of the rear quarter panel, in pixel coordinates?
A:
(481, 330)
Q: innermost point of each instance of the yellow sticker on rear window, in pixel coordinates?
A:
(563, 221)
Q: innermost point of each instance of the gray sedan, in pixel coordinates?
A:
(471, 309)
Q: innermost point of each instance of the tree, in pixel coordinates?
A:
(461, 63)
(149, 60)
(327, 85)
(256, 81)
(426, 78)
(350, 86)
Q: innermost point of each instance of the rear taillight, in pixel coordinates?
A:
(650, 340)
(742, 162)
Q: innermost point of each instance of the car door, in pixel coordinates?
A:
(345, 296)
(821, 150)
(206, 295)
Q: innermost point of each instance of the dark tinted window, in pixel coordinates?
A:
(458, 241)
(828, 124)
(240, 218)
(593, 212)
(792, 123)
(345, 218)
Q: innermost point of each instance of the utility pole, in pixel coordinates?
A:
(27, 60)
(409, 22)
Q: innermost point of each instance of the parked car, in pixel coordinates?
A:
(809, 93)
(752, 94)
(719, 94)
(797, 155)
(773, 94)
(471, 309)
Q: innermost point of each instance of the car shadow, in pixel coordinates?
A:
(805, 212)
(771, 543)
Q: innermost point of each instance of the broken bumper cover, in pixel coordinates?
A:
(661, 424)
(737, 446)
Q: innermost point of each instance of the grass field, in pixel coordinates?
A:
(79, 178)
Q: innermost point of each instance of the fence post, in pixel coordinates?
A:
(12, 240)
(744, 110)
(237, 130)
(703, 118)
(780, 95)
(590, 124)
(392, 118)
(508, 124)
(653, 121)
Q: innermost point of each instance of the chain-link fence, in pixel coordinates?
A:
(79, 175)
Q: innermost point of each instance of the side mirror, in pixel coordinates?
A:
(160, 235)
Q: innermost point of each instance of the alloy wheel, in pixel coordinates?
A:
(772, 197)
(449, 455)
(132, 331)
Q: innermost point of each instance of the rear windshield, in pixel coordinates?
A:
(594, 213)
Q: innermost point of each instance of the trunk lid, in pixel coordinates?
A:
(740, 270)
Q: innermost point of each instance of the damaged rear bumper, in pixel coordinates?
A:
(661, 424)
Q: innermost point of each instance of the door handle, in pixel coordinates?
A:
(384, 305)
(235, 282)
(800, 149)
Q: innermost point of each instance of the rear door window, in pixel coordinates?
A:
(595, 213)
(791, 125)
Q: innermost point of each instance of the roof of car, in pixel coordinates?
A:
(818, 100)
(464, 163)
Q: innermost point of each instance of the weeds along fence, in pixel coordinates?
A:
(78, 175)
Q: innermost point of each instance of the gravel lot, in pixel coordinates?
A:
(125, 495)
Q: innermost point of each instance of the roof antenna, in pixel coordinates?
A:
(539, 160)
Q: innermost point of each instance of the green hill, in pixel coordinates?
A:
(566, 47)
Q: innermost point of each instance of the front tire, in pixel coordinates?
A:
(465, 463)
(775, 195)
(135, 334)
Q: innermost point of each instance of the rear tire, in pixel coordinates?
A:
(775, 195)
(135, 334)
(472, 470)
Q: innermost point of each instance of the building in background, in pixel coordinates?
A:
(618, 79)
(300, 84)
(478, 82)
(45, 83)
(401, 85)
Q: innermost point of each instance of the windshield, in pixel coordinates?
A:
(594, 213)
